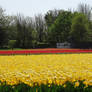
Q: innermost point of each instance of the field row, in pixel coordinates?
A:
(46, 69)
(40, 51)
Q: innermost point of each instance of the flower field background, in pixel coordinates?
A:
(46, 73)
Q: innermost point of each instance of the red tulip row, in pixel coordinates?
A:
(37, 51)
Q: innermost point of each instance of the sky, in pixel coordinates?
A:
(34, 7)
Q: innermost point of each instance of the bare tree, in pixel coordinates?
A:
(24, 31)
(85, 9)
(40, 27)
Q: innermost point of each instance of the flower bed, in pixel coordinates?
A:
(46, 73)
(40, 51)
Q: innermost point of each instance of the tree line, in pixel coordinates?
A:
(43, 31)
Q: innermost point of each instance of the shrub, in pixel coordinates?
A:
(11, 44)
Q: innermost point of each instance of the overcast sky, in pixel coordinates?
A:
(32, 7)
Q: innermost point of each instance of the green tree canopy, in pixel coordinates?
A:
(59, 31)
(79, 32)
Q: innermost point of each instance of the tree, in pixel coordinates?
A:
(59, 31)
(24, 32)
(12, 29)
(85, 9)
(40, 27)
(2, 37)
(79, 32)
(51, 16)
(3, 28)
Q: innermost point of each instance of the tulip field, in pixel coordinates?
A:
(33, 72)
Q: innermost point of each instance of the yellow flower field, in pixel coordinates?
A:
(50, 68)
